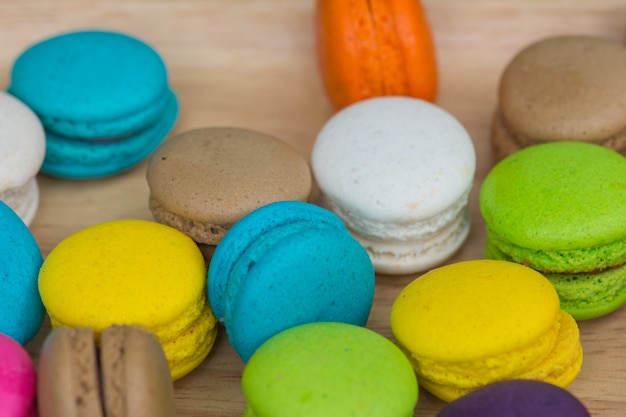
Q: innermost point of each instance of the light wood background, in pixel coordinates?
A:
(251, 63)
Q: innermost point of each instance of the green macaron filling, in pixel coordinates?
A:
(583, 295)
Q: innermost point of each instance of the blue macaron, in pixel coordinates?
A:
(103, 98)
(21, 309)
(285, 264)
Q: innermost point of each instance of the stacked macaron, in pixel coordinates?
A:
(404, 189)
(204, 180)
(472, 323)
(285, 264)
(103, 98)
(559, 208)
(562, 88)
(18, 380)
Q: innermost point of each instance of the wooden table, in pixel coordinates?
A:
(251, 63)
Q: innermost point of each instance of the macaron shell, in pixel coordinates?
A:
(584, 295)
(135, 373)
(80, 159)
(505, 323)
(563, 199)
(565, 88)
(68, 381)
(21, 312)
(105, 83)
(334, 282)
(418, 147)
(142, 273)
(204, 180)
(250, 228)
(517, 398)
(375, 48)
(22, 143)
(18, 379)
(329, 369)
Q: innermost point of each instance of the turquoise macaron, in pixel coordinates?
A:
(327, 369)
(103, 98)
(284, 264)
(21, 309)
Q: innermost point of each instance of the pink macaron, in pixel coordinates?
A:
(18, 380)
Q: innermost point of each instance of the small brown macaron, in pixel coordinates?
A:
(128, 376)
(202, 181)
(570, 87)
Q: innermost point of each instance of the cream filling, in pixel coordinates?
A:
(408, 246)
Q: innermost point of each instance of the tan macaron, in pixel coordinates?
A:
(562, 88)
(128, 376)
(203, 181)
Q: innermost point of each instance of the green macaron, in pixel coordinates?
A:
(329, 369)
(560, 208)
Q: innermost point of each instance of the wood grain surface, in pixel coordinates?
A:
(251, 63)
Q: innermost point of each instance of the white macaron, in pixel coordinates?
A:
(22, 150)
(398, 171)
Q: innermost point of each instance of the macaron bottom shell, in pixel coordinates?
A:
(583, 295)
(69, 157)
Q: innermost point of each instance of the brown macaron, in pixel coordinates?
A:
(202, 181)
(562, 88)
(128, 376)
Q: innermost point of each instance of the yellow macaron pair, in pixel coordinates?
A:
(133, 272)
(471, 323)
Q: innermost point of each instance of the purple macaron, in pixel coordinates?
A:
(516, 398)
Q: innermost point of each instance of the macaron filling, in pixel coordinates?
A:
(423, 242)
(570, 261)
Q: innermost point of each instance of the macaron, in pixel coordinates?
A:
(18, 380)
(517, 398)
(329, 369)
(21, 309)
(398, 171)
(372, 48)
(567, 87)
(133, 272)
(204, 180)
(103, 98)
(468, 324)
(22, 149)
(284, 264)
(127, 376)
(559, 208)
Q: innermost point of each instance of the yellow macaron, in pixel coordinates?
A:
(472, 323)
(133, 272)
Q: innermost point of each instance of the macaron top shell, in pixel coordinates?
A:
(408, 159)
(18, 379)
(21, 310)
(517, 398)
(106, 84)
(22, 143)
(327, 370)
(514, 306)
(124, 272)
(218, 175)
(560, 196)
(566, 88)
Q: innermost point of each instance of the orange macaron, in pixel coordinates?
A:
(371, 48)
